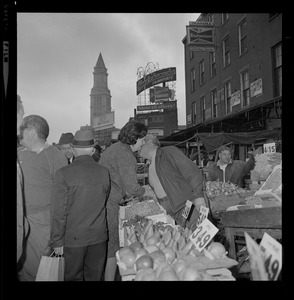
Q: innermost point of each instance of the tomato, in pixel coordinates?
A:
(129, 259)
(136, 246)
(124, 250)
(140, 252)
(158, 257)
(144, 262)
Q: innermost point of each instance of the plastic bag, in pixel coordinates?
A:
(51, 268)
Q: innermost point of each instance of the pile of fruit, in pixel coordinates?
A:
(143, 209)
(137, 225)
(216, 188)
(165, 253)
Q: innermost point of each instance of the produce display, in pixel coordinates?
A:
(160, 252)
(216, 188)
(264, 165)
(143, 209)
(273, 185)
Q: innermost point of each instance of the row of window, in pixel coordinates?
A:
(225, 53)
(244, 90)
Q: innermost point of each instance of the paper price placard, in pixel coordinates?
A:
(269, 148)
(272, 255)
(203, 234)
(256, 260)
(187, 209)
(203, 213)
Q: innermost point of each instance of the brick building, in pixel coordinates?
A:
(235, 83)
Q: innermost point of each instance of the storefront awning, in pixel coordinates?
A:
(212, 141)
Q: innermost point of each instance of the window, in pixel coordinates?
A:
(242, 37)
(277, 69)
(211, 18)
(193, 113)
(201, 72)
(213, 103)
(212, 64)
(226, 52)
(191, 54)
(193, 79)
(245, 97)
(228, 97)
(225, 18)
(202, 105)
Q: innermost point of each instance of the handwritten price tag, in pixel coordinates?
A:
(256, 260)
(269, 148)
(203, 234)
(187, 209)
(272, 254)
(203, 213)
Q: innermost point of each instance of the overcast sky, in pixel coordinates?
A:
(57, 52)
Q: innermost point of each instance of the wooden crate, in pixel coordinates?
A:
(266, 217)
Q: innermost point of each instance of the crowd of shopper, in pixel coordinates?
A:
(68, 194)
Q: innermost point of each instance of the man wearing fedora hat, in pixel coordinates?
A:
(64, 145)
(78, 212)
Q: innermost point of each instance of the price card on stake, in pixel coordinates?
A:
(203, 213)
(203, 234)
(256, 260)
(187, 209)
(269, 148)
(272, 254)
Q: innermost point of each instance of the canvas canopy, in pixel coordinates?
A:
(212, 141)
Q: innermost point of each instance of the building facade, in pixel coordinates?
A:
(162, 120)
(238, 86)
(101, 115)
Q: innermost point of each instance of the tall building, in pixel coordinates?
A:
(233, 76)
(238, 85)
(101, 115)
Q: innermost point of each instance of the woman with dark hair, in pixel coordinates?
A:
(120, 160)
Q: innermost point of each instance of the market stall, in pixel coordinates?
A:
(256, 210)
(154, 248)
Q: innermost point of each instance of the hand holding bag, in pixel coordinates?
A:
(51, 268)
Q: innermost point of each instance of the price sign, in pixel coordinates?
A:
(203, 234)
(203, 213)
(269, 148)
(187, 209)
(256, 260)
(272, 254)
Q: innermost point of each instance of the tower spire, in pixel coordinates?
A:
(100, 63)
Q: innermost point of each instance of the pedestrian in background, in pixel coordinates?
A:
(226, 169)
(78, 212)
(97, 153)
(22, 223)
(39, 161)
(119, 159)
(64, 145)
(174, 177)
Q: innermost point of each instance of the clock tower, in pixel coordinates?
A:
(101, 116)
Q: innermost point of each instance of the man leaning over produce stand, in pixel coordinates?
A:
(174, 178)
(226, 169)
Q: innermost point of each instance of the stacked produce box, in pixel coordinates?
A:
(153, 248)
(157, 251)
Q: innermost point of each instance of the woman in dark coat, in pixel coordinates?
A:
(122, 165)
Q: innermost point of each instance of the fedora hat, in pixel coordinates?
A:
(83, 139)
(66, 138)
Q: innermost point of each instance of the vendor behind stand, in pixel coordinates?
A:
(226, 169)
(174, 178)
